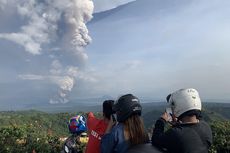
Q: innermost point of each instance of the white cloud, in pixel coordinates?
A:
(177, 44)
(25, 40)
(49, 23)
(56, 67)
(152, 51)
(64, 77)
(2, 4)
(31, 77)
(65, 83)
(42, 27)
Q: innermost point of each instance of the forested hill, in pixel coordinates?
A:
(25, 131)
(57, 121)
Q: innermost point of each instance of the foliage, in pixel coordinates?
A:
(25, 131)
(26, 139)
(221, 137)
(219, 122)
(55, 123)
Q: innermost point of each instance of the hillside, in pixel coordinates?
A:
(42, 121)
(211, 112)
(21, 131)
(56, 122)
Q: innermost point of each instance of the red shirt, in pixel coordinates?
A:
(96, 129)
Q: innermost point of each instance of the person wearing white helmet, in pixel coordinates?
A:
(188, 133)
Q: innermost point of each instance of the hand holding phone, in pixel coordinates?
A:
(169, 114)
(112, 122)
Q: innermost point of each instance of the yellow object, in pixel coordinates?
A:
(84, 140)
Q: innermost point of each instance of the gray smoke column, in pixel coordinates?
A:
(64, 78)
(43, 18)
(43, 28)
(76, 15)
(66, 84)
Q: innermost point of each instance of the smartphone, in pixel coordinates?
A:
(169, 112)
(114, 117)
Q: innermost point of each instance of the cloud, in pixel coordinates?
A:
(64, 77)
(178, 44)
(31, 77)
(56, 67)
(23, 39)
(163, 46)
(2, 4)
(65, 84)
(42, 24)
(49, 23)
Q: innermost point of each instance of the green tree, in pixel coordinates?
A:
(221, 137)
(26, 139)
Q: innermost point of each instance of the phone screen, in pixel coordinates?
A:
(169, 112)
(114, 118)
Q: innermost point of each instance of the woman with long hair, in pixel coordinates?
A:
(129, 130)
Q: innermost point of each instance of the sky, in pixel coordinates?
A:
(57, 52)
(157, 47)
(103, 5)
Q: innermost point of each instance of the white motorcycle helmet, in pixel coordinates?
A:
(184, 100)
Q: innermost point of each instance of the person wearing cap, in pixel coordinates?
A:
(130, 128)
(97, 127)
(189, 134)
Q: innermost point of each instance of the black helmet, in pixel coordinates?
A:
(126, 106)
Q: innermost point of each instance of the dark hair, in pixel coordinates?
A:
(195, 112)
(107, 108)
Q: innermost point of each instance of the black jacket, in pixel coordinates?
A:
(183, 138)
(144, 148)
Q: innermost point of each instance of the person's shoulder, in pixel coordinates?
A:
(92, 121)
(117, 129)
(101, 123)
(175, 131)
(147, 148)
(119, 126)
(202, 122)
(204, 125)
(90, 115)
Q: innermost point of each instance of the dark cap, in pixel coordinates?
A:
(126, 106)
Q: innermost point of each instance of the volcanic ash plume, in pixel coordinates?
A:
(65, 79)
(77, 14)
(66, 84)
(43, 18)
(52, 23)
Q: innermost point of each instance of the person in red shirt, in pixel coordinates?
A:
(97, 127)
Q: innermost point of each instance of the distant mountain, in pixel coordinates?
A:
(106, 14)
(138, 9)
(151, 112)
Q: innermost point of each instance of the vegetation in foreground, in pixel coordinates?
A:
(34, 131)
